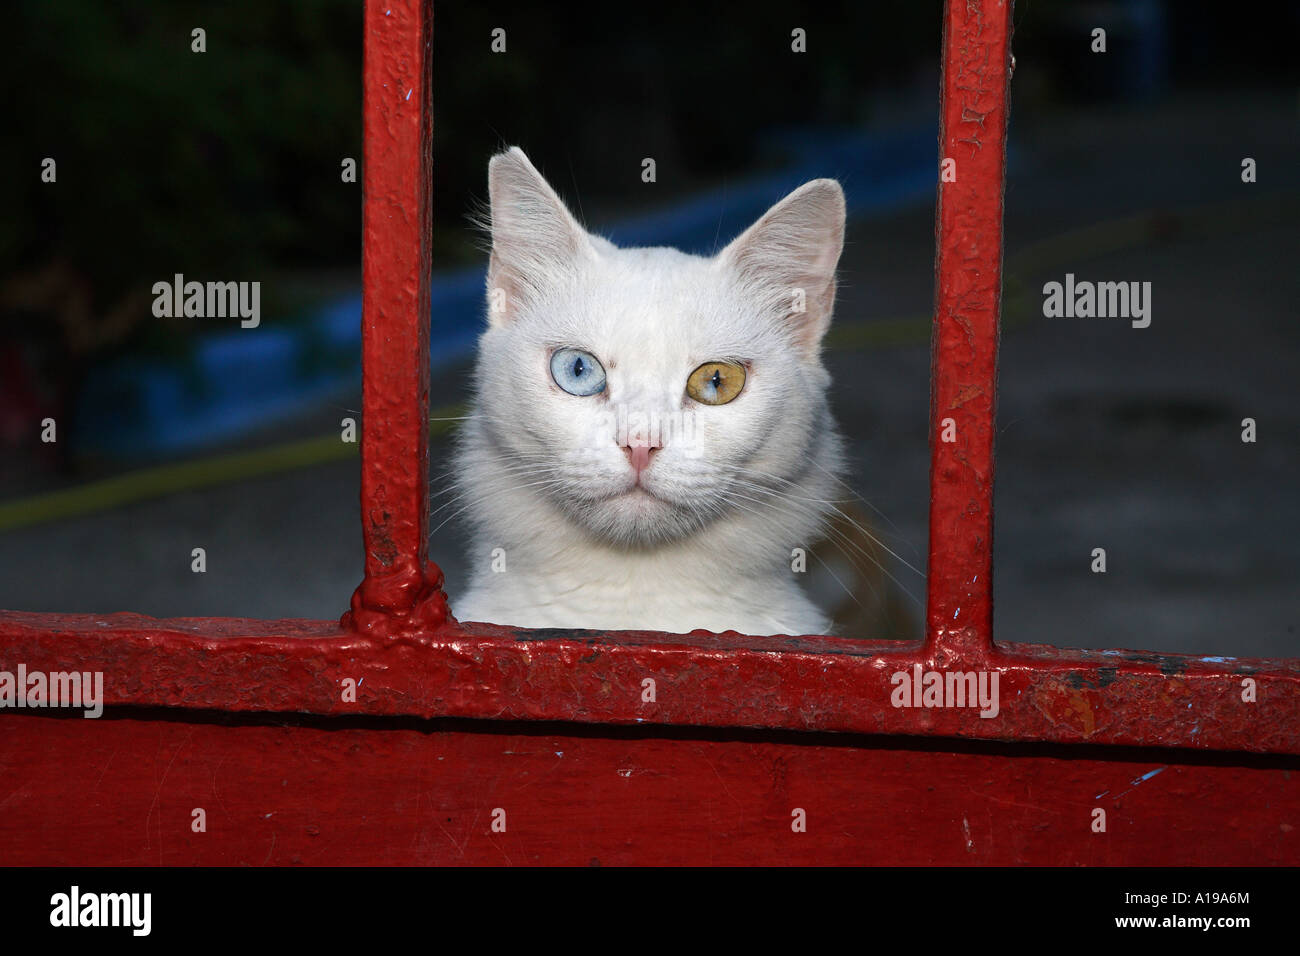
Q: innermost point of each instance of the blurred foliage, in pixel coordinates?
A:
(226, 163)
(213, 164)
(694, 85)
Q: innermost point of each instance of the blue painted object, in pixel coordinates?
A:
(239, 380)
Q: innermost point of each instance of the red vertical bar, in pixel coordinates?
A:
(968, 298)
(401, 591)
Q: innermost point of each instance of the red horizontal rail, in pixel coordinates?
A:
(729, 680)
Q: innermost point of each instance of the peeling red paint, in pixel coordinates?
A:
(703, 679)
(314, 791)
(968, 299)
(402, 590)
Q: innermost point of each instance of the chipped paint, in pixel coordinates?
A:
(1147, 776)
(402, 589)
(968, 294)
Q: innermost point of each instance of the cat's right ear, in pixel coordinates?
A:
(534, 237)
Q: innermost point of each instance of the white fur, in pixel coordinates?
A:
(541, 473)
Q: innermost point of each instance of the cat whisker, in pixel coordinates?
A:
(482, 498)
(844, 587)
(863, 500)
(866, 554)
(847, 590)
(463, 491)
(867, 533)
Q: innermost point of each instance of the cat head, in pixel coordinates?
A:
(646, 392)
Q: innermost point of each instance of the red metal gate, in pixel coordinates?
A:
(400, 735)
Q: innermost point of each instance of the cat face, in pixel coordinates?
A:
(646, 392)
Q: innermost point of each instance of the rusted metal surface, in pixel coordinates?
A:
(968, 299)
(729, 680)
(335, 791)
(402, 590)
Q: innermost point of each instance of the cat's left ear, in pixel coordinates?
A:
(789, 258)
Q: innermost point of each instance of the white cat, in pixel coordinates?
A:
(650, 439)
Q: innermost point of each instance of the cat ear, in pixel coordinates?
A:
(789, 258)
(533, 235)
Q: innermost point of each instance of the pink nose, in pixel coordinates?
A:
(638, 455)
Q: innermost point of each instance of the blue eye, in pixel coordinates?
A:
(577, 372)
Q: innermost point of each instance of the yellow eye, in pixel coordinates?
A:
(716, 383)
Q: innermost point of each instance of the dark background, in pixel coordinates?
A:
(1124, 166)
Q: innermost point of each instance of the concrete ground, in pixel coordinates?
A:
(1109, 436)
